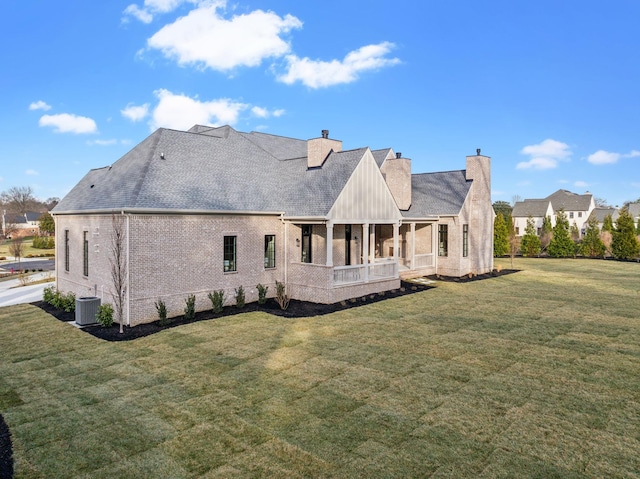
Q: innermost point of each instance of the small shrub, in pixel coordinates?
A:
(43, 242)
(262, 293)
(48, 294)
(58, 300)
(281, 296)
(2, 258)
(217, 301)
(190, 308)
(161, 307)
(239, 297)
(104, 316)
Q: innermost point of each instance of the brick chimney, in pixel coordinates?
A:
(318, 149)
(397, 174)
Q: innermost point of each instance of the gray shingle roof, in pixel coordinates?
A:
(221, 169)
(634, 210)
(534, 208)
(568, 201)
(600, 213)
(440, 193)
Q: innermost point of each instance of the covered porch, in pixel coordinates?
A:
(333, 261)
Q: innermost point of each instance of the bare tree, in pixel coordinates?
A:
(15, 248)
(19, 199)
(118, 263)
(515, 199)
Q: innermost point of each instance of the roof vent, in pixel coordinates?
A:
(162, 156)
(325, 133)
(398, 154)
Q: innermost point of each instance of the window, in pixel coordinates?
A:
(66, 250)
(517, 231)
(347, 245)
(270, 251)
(465, 240)
(85, 243)
(443, 240)
(579, 214)
(229, 254)
(571, 215)
(306, 243)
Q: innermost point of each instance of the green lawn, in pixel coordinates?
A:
(534, 374)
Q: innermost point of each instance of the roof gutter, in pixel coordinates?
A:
(165, 211)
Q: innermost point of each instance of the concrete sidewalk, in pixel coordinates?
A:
(12, 293)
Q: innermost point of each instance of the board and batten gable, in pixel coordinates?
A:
(353, 205)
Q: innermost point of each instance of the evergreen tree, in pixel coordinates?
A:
(607, 224)
(546, 234)
(47, 225)
(592, 245)
(624, 244)
(500, 236)
(561, 245)
(530, 245)
(575, 232)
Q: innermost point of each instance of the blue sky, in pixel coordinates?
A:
(548, 89)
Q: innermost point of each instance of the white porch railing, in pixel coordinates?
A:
(385, 268)
(348, 274)
(423, 260)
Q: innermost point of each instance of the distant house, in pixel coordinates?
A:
(634, 211)
(215, 208)
(576, 207)
(20, 224)
(534, 209)
(600, 213)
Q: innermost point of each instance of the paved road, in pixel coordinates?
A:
(44, 264)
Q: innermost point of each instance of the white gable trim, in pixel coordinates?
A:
(365, 197)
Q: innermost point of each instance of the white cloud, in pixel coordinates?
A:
(69, 123)
(206, 39)
(31, 172)
(39, 105)
(602, 157)
(260, 112)
(151, 7)
(318, 74)
(135, 113)
(102, 142)
(545, 155)
(181, 112)
(581, 184)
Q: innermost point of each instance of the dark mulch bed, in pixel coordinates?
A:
(6, 452)
(296, 309)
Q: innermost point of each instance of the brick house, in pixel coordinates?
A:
(215, 208)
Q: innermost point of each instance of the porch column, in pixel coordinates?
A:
(372, 245)
(396, 235)
(365, 251)
(435, 246)
(329, 243)
(413, 246)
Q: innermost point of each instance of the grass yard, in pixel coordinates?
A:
(534, 374)
(28, 248)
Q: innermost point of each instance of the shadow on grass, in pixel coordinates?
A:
(6, 452)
